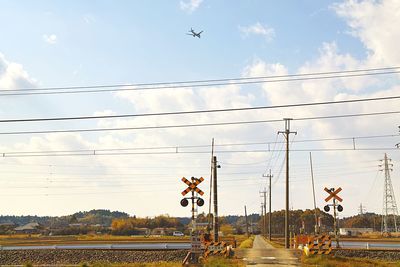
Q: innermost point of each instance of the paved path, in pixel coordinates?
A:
(263, 254)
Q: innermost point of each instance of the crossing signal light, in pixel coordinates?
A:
(326, 208)
(184, 202)
(340, 208)
(200, 202)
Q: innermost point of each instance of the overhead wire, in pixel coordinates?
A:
(179, 147)
(204, 152)
(199, 124)
(201, 83)
(201, 111)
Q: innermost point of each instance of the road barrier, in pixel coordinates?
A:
(318, 245)
(216, 248)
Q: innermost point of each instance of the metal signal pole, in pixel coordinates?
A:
(215, 219)
(286, 134)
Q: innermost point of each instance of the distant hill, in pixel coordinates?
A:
(103, 217)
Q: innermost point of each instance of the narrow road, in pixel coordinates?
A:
(263, 254)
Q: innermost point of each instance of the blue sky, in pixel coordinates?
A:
(79, 43)
(110, 42)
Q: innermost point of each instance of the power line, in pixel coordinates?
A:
(203, 152)
(198, 125)
(176, 149)
(201, 83)
(200, 111)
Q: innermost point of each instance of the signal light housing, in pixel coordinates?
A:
(184, 202)
(200, 202)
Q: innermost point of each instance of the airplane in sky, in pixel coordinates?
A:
(193, 33)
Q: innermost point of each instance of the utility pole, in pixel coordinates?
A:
(316, 228)
(215, 219)
(270, 199)
(265, 212)
(247, 222)
(210, 220)
(286, 134)
(262, 219)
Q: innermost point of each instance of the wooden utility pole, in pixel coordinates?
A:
(210, 219)
(247, 222)
(262, 228)
(265, 212)
(286, 134)
(270, 201)
(215, 187)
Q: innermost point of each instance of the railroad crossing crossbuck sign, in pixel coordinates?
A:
(333, 194)
(192, 186)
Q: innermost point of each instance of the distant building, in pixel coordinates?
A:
(30, 228)
(354, 231)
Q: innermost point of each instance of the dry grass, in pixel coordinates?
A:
(329, 261)
(248, 243)
(211, 262)
(152, 264)
(14, 240)
(222, 262)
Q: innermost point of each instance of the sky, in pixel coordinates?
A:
(47, 44)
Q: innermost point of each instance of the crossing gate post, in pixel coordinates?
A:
(195, 248)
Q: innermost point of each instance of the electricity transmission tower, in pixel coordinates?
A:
(389, 200)
(361, 209)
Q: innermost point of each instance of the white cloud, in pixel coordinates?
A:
(190, 5)
(258, 29)
(375, 23)
(50, 39)
(13, 75)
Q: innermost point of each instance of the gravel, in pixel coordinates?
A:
(9, 257)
